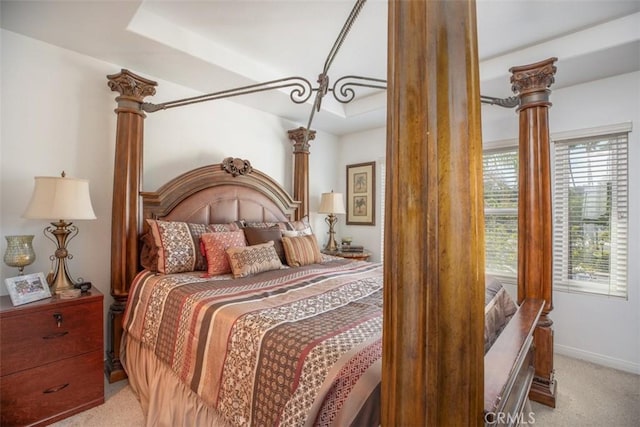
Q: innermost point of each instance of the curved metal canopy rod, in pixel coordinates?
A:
(301, 89)
(323, 78)
(301, 92)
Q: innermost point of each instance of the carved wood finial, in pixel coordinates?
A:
(131, 85)
(236, 166)
(300, 139)
(531, 82)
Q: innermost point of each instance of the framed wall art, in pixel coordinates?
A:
(361, 194)
(27, 288)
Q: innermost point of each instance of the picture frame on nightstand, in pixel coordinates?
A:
(27, 288)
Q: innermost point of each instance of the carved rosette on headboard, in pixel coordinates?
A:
(236, 166)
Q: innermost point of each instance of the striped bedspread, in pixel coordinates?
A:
(297, 346)
(288, 347)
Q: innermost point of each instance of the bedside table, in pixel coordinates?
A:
(359, 256)
(50, 358)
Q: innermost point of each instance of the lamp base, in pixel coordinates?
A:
(330, 249)
(332, 245)
(60, 284)
(63, 232)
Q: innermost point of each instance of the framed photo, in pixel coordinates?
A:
(27, 288)
(361, 194)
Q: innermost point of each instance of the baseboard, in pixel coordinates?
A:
(599, 359)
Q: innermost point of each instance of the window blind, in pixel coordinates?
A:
(500, 176)
(590, 211)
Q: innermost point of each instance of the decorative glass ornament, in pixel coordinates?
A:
(19, 252)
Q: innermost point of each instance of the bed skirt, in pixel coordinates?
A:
(164, 399)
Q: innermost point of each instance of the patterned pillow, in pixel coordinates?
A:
(303, 224)
(257, 235)
(297, 233)
(215, 246)
(255, 224)
(302, 250)
(253, 259)
(174, 245)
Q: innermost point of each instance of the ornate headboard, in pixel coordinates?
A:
(220, 193)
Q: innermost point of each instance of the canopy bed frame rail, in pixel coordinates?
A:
(434, 374)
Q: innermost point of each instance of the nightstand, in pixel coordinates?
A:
(50, 358)
(359, 256)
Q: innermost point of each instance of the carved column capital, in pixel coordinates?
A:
(132, 89)
(531, 81)
(131, 85)
(301, 138)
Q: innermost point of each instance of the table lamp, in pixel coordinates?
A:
(60, 199)
(331, 203)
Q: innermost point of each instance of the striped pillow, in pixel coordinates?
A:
(302, 250)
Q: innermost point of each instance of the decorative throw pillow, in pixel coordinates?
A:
(148, 252)
(255, 224)
(253, 259)
(302, 250)
(215, 246)
(303, 224)
(230, 226)
(297, 233)
(283, 225)
(177, 245)
(257, 235)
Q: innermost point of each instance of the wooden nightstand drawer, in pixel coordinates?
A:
(33, 338)
(53, 391)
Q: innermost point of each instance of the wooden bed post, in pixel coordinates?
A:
(127, 182)
(432, 367)
(535, 251)
(301, 168)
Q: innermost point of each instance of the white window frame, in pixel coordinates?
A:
(619, 193)
(620, 264)
(498, 148)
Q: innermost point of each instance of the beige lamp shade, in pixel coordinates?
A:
(60, 198)
(331, 203)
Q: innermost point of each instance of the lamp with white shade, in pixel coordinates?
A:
(331, 204)
(60, 199)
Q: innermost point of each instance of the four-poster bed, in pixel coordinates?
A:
(433, 362)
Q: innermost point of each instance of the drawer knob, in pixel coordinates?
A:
(58, 317)
(55, 389)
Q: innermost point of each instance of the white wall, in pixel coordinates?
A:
(57, 114)
(363, 147)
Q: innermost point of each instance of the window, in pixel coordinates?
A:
(500, 171)
(590, 214)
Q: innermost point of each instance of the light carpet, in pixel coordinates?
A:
(588, 395)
